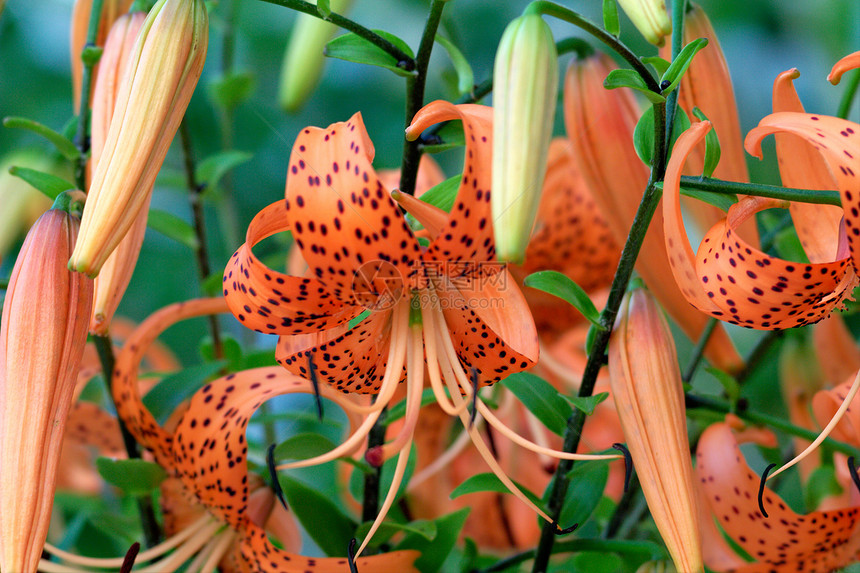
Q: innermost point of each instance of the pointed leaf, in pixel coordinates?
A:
(587, 404)
(465, 76)
(353, 48)
(720, 200)
(442, 196)
(172, 227)
(61, 142)
(622, 78)
(303, 446)
(541, 399)
(727, 381)
(680, 64)
(50, 185)
(434, 552)
(587, 482)
(712, 146)
(210, 171)
(134, 477)
(610, 17)
(643, 136)
(319, 515)
(172, 390)
(563, 287)
(230, 348)
(231, 90)
(658, 63)
(490, 482)
(324, 8)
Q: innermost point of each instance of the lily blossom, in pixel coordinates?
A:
(451, 302)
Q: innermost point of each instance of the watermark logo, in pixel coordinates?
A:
(377, 285)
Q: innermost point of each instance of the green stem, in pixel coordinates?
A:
(562, 13)
(195, 197)
(375, 438)
(82, 139)
(578, 545)
(151, 531)
(723, 407)
(415, 98)
(622, 509)
(848, 95)
(699, 350)
(678, 10)
(772, 191)
(404, 61)
(4, 284)
(629, 253)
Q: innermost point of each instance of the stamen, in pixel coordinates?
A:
(834, 421)
(853, 471)
(219, 548)
(559, 531)
(764, 478)
(312, 374)
(273, 473)
(538, 433)
(130, 555)
(628, 463)
(430, 350)
(556, 368)
(350, 552)
(185, 551)
(440, 462)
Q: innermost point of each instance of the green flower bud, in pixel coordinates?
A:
(650, 18)
(526, 85)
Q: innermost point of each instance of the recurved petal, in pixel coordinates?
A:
(341, 214)
(272, 302)
(786, 541)
(838, 142)
(849, 62)
(468, 236)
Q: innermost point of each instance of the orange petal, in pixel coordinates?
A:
(468, 236)
(819, 541)
(429, 175)
(836, 349)
(272, 302)
(838, 142)
(849, 62)
(341, 214)
(827, 402)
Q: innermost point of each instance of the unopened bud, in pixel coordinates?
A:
(525, 92)
(650, 18)
(166, 63)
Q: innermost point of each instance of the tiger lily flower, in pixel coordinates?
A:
(228, 517)
(42, 338)
(600, 125)
(450, 302)
(782, 542)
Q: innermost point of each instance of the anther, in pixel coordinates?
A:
(273, 473)
(665, 84)
(312, 374)
(559, 531)
(130, 556)
(350, 551)
(853, 471)
(474, 372)
(628, 463)
(761, 488)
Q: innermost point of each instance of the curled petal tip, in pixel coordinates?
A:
(849, 62)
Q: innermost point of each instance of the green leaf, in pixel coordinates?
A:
(465, 76)
(50, 185)
(323, 8)
(421, 527)
(172, 390)
(134, 477)
(821, 483)
(172, 227)
(210, 171)
(587, 482)
(434, 552)
(629, 79)
(212, 285)
(587, 404)
(303, 446)
(680, 64)
(679, 126)
(712, 146)
(320, 516)
(610, 17)
(231, 348)
(450, 136)
(643, 136)
(727, 381)
(353, 48)
(565, 288)
(720, 200)
(490, 482)
(231, 90)
(541, 399)
(658, 63)
(442, 196)
(91, 55)
(61, 142)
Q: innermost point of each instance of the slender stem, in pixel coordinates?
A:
(82, 139)
(562, 13)
(404, 61)
(578, 545)
(848, 95)
(629, 253)
(4, 284)
(722, 407)
(699, 350)
(759, 190)
(415, 97)
(622, 509)
(151, 531)
(195, 191)
(376, 437)
(678, 10)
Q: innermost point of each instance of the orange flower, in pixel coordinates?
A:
(784, 541)
(451, 300)
(42, 337)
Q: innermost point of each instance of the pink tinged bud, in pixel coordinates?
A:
(42, 338)
(156, 88)
(649, 396)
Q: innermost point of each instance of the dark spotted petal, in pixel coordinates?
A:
(275, 303)
(784, 541)
(341, 214)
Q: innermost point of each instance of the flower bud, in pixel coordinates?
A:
(525, 88)
(650, 18)
(600, 127)
(304, 58)
(116, 273)
(42, 337)
(156, 87)
(649, 396)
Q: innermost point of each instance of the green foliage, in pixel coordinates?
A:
(354, 48)
(50, 185)
(541, 398)
(562, 286)
(173, 227)
(320, 515)
(134, 477)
